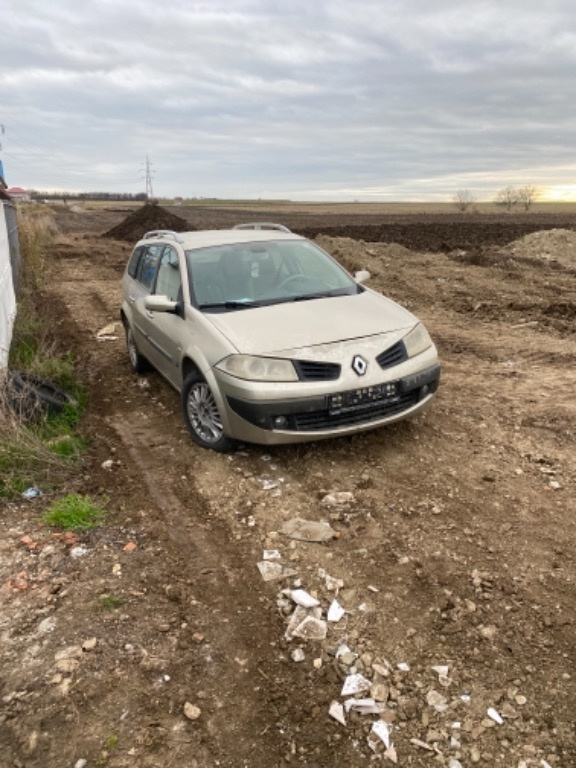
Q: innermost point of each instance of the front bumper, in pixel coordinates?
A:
(326, 415)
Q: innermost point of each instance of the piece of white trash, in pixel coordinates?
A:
(380, 728)
(354, 684)
(297, 619)
(364, 706)
(494, 715)
(303, 598)
(337, 712)
(342, 649)
(311, 629)
(308, 530)
(107, 333)
(335, 612)
(270, 570)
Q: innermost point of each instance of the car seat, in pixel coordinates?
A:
(235, 269)
(264, 276)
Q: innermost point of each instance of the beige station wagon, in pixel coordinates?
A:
(269, 340)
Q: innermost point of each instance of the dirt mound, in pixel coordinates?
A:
(145, 219)
(553, 245)
(355, 255)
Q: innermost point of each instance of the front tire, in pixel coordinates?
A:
(202, 416)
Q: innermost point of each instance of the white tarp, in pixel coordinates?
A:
(7, 297)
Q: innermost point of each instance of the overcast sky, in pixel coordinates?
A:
(379, 100)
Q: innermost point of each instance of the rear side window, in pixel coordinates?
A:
(134, 261)
(148, 265)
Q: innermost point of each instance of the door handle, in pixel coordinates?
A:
(150, 314)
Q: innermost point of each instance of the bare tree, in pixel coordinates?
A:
(527, 195)
(463, 199)
(507, 197)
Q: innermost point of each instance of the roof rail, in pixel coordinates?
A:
(262, 225)
(162, 233)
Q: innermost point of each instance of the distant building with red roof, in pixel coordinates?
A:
(17, 193)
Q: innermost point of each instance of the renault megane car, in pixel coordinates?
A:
(268, 339)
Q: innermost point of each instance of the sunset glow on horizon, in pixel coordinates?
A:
(560, 193)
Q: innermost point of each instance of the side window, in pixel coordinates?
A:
(148, 265)
(132, 267)
(169, 282)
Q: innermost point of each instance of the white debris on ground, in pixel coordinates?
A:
(107, 333)
(372, 686)
(308, 530)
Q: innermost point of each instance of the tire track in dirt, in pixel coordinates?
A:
(231, 605)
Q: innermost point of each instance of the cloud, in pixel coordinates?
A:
(334, 98)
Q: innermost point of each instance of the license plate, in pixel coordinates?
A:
(356, 398)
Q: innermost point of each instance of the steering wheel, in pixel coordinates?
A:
(292, 279)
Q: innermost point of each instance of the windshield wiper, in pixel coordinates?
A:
(240, 304)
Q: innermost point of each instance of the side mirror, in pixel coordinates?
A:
(160, 303)
(362, 276)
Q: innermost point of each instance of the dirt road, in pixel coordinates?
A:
(454, 555)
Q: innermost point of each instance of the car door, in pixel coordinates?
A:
(164, 330)
(139, 281)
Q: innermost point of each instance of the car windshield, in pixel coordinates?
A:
(245, 275)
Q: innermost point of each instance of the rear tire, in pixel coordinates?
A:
(201, 415)
(138, 362)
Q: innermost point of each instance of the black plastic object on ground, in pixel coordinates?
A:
(33, 397)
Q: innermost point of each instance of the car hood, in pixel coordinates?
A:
(285, 328)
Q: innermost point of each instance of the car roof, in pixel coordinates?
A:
(210, 237)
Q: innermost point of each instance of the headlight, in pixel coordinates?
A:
(258, 368)
(417, 340)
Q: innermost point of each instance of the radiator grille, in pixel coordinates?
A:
(313, 371)
(319, 420)
(392, 356)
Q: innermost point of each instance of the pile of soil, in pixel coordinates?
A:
(554, 246)
(145, 219)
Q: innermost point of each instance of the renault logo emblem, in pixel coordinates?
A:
(359, 365)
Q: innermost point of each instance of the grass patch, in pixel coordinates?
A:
(41, 452)
(36, 230)
(26, 456)
(74, 512)
(111, 741)
(110, 602)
